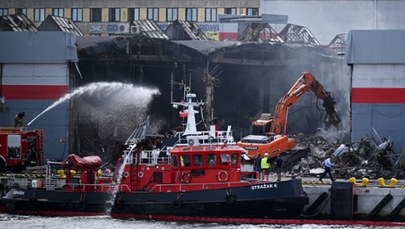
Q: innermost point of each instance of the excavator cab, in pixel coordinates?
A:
(262, 125)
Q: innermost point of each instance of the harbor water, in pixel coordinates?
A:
(106, 222)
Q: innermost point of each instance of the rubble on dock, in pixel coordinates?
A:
(371, 157)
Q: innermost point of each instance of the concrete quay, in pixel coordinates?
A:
(342, 199)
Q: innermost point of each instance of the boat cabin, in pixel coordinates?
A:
(198, 159)
(182, 165)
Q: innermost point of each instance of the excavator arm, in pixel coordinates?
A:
(305, 83)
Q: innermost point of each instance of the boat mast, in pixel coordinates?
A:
(191, 126)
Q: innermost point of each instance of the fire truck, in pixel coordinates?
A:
(19, 148)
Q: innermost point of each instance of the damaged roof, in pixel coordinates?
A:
(207, 46)
(184, 30)
(54, 23)
(17, 23)
(339, 41)
(148, 28)
(141, 48)
(260, 32)
(298, 34)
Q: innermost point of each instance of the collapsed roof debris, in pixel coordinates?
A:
(372, 157)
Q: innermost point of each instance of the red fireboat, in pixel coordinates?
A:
(199, 177)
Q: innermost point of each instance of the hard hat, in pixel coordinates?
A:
(266, 154)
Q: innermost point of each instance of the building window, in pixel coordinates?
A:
(39, 14)
(191, 14)
(57, 12)
(210, 14)
(77, 14)
(3, 11)
(95, 14)
(114, 15)
(231, 11)
(153, 14)
(172, 14)
(252, 11)
(133, 14)
(21, 11)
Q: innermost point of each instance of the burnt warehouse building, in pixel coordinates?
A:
(238, 80)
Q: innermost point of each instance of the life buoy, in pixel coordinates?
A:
(140, 174)
(185, 177)
(222, 175)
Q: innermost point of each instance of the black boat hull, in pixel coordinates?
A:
(57, 202)
(284, 199)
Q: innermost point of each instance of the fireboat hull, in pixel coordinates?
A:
(57, 202)
(276, 200)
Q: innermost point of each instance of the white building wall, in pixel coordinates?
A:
(35, 74)
(378, 76)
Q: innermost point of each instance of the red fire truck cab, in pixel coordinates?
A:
(20, 147)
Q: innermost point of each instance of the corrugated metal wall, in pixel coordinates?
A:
(34, 75)
(37, 47)
(378, 84)
(376, 47)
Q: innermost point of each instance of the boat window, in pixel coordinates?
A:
(14, 146)
(197, 160)
(210, 160)
(185, 160)
(225, 158)
(175, 163)
(235, 157)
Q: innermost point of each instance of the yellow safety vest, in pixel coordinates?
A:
(264, 164)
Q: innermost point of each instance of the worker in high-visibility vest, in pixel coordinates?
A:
(265, 166)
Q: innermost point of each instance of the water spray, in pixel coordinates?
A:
(105, 87)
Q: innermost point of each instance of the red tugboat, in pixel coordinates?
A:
(77, 190)
(199, 178)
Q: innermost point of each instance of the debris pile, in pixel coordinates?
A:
(372, 157)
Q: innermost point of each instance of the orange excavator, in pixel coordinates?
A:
(268, 134)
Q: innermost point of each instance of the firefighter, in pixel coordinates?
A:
(18, 119)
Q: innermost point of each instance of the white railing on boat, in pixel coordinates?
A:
(202, 186)
(181, 187)
(206, 138)
(148, 157)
